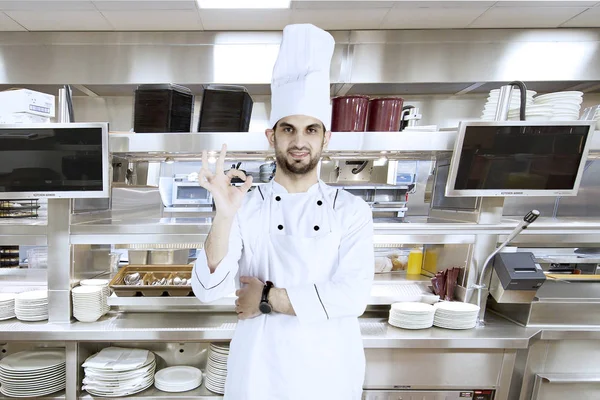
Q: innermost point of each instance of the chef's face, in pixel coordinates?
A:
(298, 141)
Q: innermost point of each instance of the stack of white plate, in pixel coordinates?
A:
(119, 372)
(33, 373)
(216, 368)
(455, 315)
(7, 306)
(412, 315)
(178, 379)
(489, 111)
(89, 303)
(32, 306)
(565, 106)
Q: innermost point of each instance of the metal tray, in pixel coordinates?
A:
(148, 272)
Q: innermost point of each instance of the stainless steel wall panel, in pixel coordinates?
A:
(432, 369)
(434, 56)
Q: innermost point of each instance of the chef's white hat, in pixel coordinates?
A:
(300, 83)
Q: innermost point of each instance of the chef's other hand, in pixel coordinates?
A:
(249, 297)
(228, 198)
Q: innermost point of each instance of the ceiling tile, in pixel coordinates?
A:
(336, 5)
(555, 3)
(47, 5)
(112, 5)
(587, 19)
(61, 20)
(341, 19)
(438, 18)
(7, 24)
(525, 17)
(444, 4)
(230, 20)
(154, 20)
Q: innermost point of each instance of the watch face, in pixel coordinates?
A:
(265, 308)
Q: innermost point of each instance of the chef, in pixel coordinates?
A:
(299, 252)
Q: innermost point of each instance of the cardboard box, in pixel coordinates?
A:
(27, 101)
(23, 118)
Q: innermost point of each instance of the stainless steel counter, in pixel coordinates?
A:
(180, 327)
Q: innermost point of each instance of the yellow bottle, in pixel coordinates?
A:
(415, 262)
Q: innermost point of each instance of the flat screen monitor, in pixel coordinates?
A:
(520, 158)
(54, 161)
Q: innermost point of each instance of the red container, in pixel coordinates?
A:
(349, 113)
(384, 114)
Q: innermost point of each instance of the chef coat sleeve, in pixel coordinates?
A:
(210, 287)
(347, 292)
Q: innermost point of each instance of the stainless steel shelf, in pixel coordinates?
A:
(201, 393)
(23, 234)
(103, 228)
(193, 327)
(57, 396)
(157, 145)
(192, 144)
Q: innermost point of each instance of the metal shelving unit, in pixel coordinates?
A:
(363, 144)
(201, 393)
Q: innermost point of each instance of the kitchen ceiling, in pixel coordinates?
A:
(184, 15)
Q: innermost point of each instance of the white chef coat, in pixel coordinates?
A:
(317, 245)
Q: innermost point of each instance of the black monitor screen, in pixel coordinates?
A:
(50, 159)
(521, 157)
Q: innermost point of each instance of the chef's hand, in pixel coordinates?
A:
(228, 198)
(249, 297)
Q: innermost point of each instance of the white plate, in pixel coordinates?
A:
(37, 393)
(7, 297)
(456, 306)
(33, 360)
(32, 295)
(94, 282)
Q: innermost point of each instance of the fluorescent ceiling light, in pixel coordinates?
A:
(244, 4)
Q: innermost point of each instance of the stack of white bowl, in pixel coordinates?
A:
(103, 283)
(32, 306)
(178, 379)
(412, 315)
(455, 315)
(216, 368)
(558, 106)
(489, 111)
(119, 372)
(33, 373)
(88, 303)
(7, 306)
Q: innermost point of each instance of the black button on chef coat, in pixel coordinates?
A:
(278, 198)
(280, 227)
(317, 228)
(319, 203)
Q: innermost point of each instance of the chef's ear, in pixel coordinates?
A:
(270, 134)
(326, 139)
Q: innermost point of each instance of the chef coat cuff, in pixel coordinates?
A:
(206, 286)
(307, 303)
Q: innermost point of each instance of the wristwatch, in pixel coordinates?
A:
(265, 307)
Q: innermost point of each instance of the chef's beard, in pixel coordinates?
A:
(294, 167)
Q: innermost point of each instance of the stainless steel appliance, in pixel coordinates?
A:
(186, 192)
(54, 160)
(520, 158)
(478, 394)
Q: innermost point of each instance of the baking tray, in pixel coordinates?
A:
(148, 272)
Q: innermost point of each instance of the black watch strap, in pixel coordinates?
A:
(265, 306)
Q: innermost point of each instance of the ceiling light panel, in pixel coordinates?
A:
(243, 4)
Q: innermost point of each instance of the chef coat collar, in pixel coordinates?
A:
(279, 189)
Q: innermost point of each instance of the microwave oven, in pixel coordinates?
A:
(187, 192)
